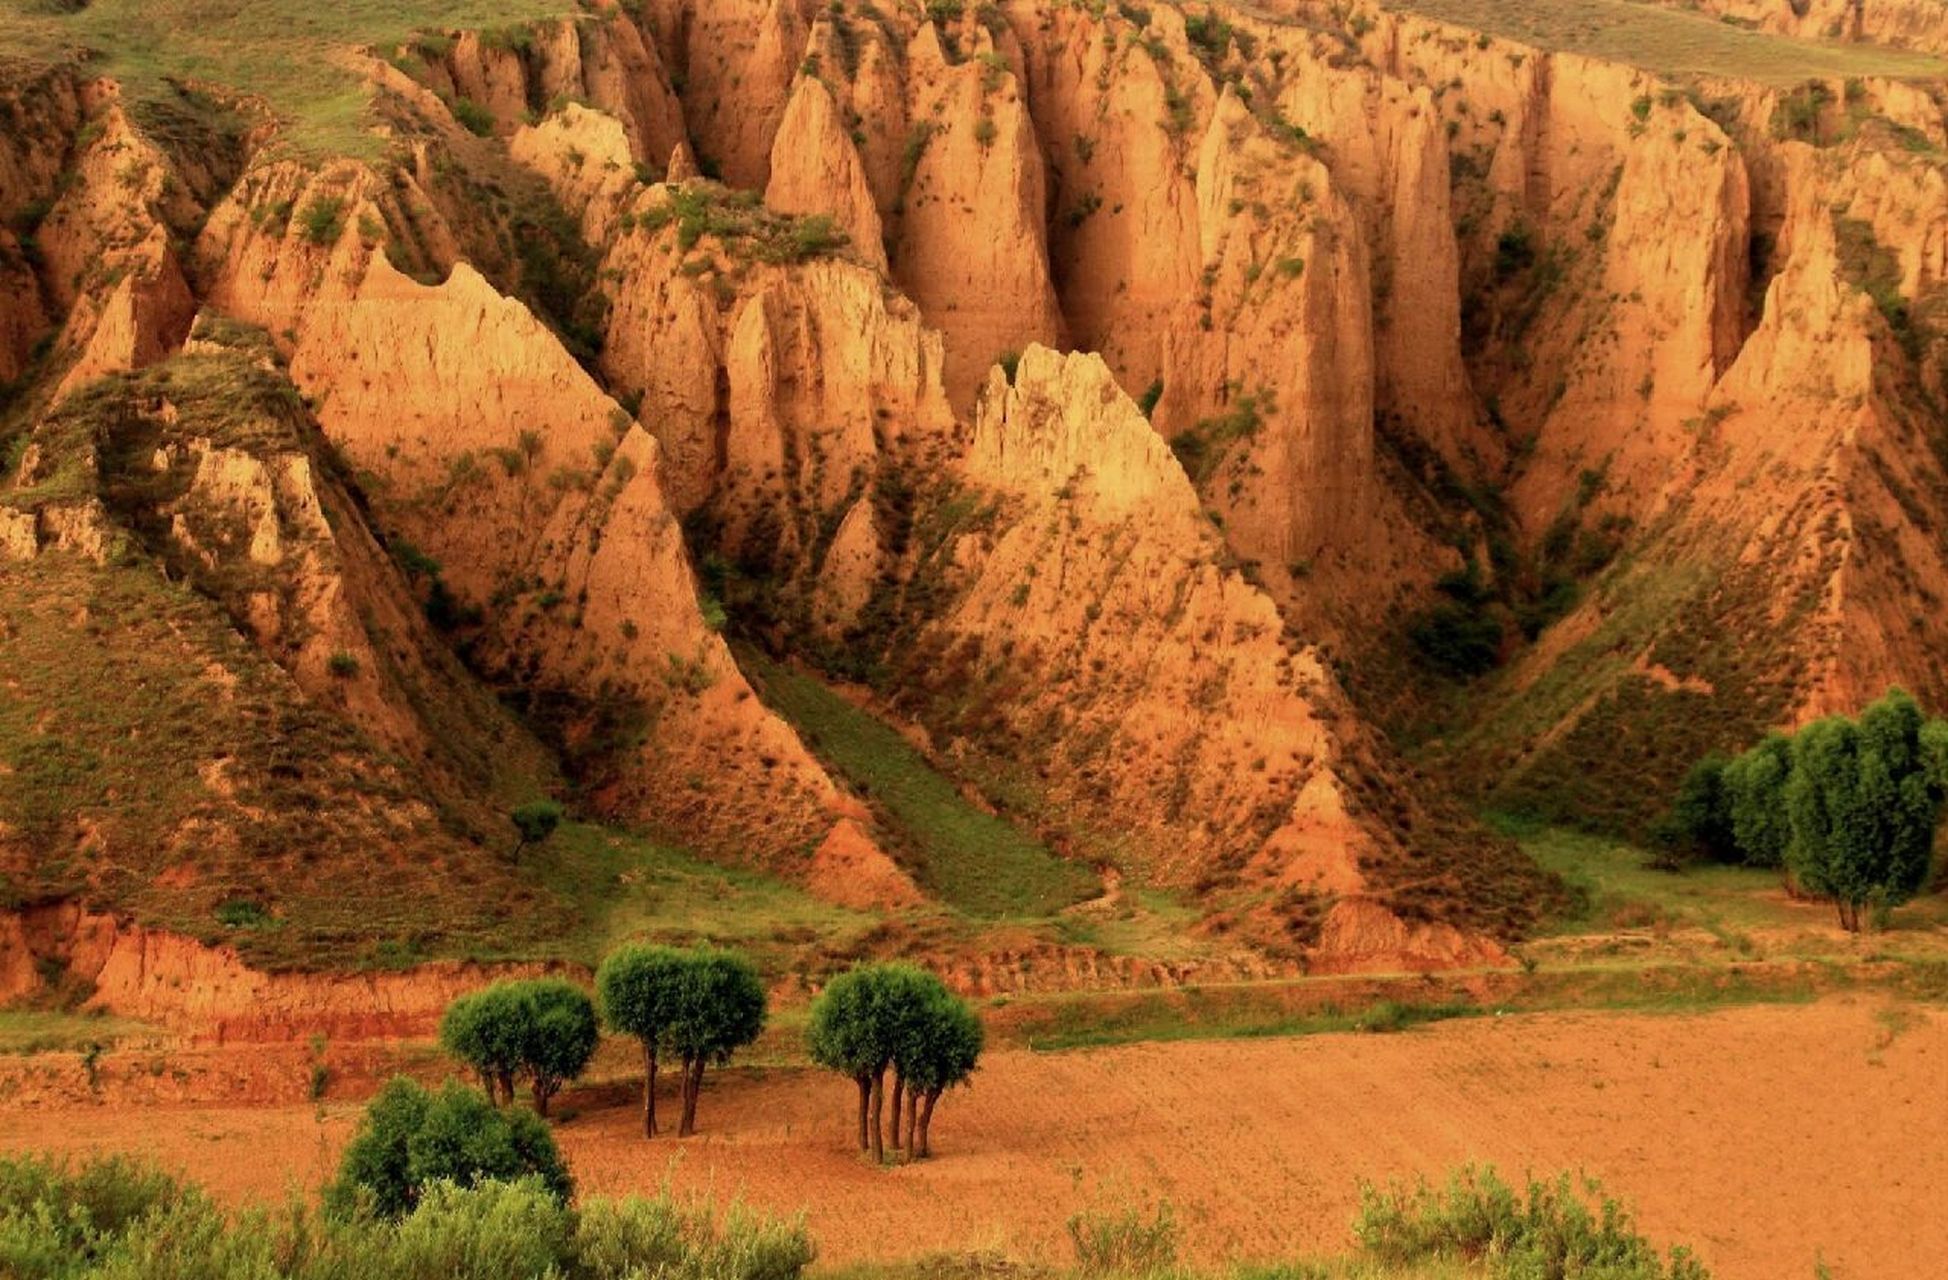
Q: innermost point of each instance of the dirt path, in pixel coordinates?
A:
(1765, 1137)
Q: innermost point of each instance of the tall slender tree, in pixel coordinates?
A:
(719, 1008)
(639, 988)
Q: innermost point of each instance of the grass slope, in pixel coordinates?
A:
(287, 53)
(624, 887)
(1672, 42)
(974, 861)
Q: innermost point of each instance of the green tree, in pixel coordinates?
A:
(1865, 798)
(561, 1036)
(411, 1138)
(1755, 796)
(1701, 819)
(943, 1046)
(535, 821)
(486, 1030)
(638, 988)
(543, 1029)
(887, 1017)
(719, 1008)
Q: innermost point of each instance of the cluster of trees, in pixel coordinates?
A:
(699, 1006)
(541, 1030)
(1847, 807)
(895, 1018)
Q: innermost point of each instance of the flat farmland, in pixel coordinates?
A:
(1768, 1137)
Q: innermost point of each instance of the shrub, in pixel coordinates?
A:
(342, 665)
(1124, 1243)
(56, 1218)
(412, 1138)
(110, 1220)
(242, 913)
(1548, 1234)
(473, 117)
(322, 220)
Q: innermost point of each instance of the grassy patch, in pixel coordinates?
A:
(1673, 41)
(625, 888)
(971, 859)
(1618, 888)
(24, 1031)
(288, 54)
(1213, 1013)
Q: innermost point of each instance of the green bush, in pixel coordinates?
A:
(57, 1220)
(322, 220)
(412, 1138)
(473, 117)
(111, 1220)
(1548, 1233)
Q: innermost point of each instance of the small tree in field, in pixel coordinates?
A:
(842, 1036)
(639, 987)
(719, 1009)
(1755, 801)
(561, 1036)
(411, 1138)
(535, 822)
(1865, 798)
(487, 1030)
(542, 1029)
(943, 1047)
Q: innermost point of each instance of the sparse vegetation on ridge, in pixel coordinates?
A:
(1672, 41)
(290, 56)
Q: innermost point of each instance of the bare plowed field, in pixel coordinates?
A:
(1766, 1137)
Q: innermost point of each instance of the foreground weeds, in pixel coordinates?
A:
(114, 1219)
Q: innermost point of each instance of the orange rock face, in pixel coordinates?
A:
(1133, 392)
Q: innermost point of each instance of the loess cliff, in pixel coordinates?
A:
(1215, 434)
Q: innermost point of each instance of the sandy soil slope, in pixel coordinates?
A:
(1765, 1136)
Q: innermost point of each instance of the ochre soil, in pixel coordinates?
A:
(1765, 1136)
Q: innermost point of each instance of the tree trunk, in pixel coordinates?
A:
(507, 1088)
(899, 1108)
(925, 1141)
(649, 1089)
(865, 1084)
(543, 1090)
(913, 1148)
(692, 1086)
(879, 1113)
